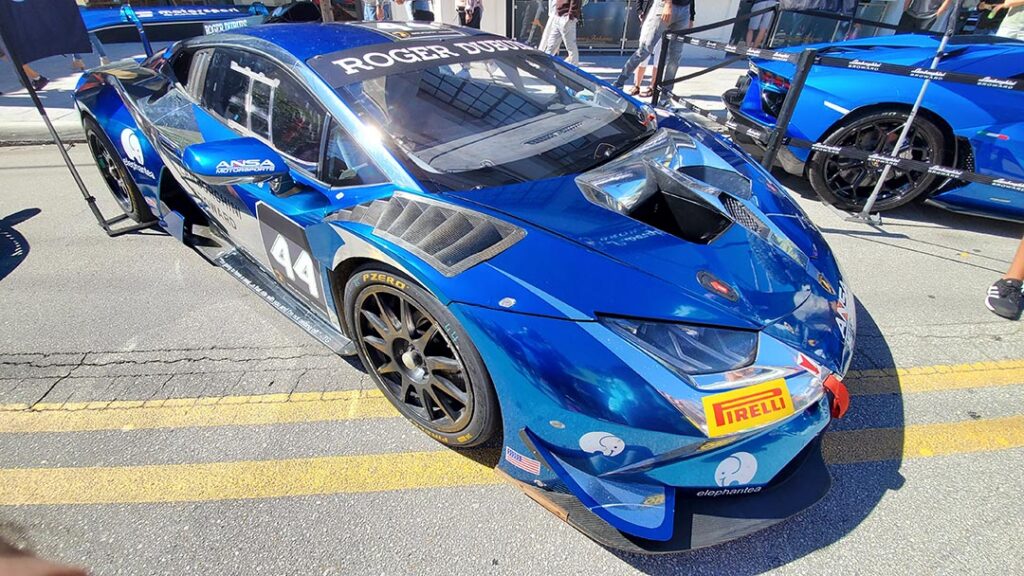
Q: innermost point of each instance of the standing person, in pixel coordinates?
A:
(562, 28)
(652, 59)
(1005, 297)
(376, 10)
(422, 11)
(662, 15)
(1013, 23)
(920, 15)
(474, 12)
(759, 24)
(550, 32)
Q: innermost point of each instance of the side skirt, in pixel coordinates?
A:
(249, 273)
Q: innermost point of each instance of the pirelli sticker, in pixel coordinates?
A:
(749, 407)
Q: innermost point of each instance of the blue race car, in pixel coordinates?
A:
(642, 318)
(966, 127)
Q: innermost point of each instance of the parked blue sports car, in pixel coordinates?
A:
(966, 127)
(517, 252)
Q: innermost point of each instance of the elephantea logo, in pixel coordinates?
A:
(603, 442)
(134, 158)
(248, 166)
(736, 469)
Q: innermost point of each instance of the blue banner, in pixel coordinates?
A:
(35, 29)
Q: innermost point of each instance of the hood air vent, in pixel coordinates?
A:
(449, 238)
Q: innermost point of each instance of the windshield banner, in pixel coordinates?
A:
(358, 64)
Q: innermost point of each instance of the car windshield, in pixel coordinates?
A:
(512, 117)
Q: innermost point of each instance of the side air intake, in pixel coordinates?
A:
(448, 238)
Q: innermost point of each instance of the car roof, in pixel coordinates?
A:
(309, 39)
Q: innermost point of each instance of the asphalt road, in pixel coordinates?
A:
(181, 426)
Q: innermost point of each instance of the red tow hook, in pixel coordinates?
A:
(838, 396)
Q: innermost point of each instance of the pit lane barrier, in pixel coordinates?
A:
(804, 61)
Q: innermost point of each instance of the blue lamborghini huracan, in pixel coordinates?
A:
(640, 317)
(973, 128)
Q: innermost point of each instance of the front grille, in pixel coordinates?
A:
(449, 238)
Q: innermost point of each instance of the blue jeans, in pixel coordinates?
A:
(370, 12)
(650, 33)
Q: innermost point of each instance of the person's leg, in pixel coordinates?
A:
(760, 37)
(478, 15)
(97, 46)
(548, 38)
(1005, 297)
(38, 80)
(569, 37)
(650, 32)
(387, 11)
(680, 20)
(641, 70)
(1016, 271)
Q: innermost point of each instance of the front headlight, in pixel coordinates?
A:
(687, 349)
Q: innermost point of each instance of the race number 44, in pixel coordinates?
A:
(300, 269)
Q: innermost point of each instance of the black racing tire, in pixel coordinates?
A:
(847, 183)
(420, 357)
(116, 176)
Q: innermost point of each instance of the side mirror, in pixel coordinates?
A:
(235, 161)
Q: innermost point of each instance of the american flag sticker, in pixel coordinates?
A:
(522, 462)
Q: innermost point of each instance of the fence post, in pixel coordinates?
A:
(773, 28)
(666, 37)
(796, 85)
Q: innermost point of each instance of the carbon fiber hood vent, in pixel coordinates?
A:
(449, 238)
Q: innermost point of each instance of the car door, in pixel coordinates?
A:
(246, 94)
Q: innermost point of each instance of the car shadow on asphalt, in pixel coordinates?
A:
(14, 248)
(856, 490)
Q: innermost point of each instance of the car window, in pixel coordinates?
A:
(489, 118)
(262, 98)
(298, 121)
(345, 163)
(227, 87)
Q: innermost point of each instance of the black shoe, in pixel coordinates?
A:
(41, 82)
(1005, 298)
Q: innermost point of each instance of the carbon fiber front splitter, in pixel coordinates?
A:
(701, 521)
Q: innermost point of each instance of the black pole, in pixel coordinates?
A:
(773, 29)
(666, 37)
(18, 67)
(796, 85)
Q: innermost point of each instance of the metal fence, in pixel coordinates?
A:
(804, 60)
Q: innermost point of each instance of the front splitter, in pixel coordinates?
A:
(702, 521)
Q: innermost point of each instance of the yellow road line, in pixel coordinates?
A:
(200, 412)
(924, 440)
(361, 404)
(936, 378)
(438, 469)
(247, 479)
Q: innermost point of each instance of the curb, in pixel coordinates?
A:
(34, 133)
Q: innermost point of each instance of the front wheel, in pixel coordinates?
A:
(847, 183)
(421, 358)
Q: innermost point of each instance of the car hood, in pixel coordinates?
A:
(725, 225)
